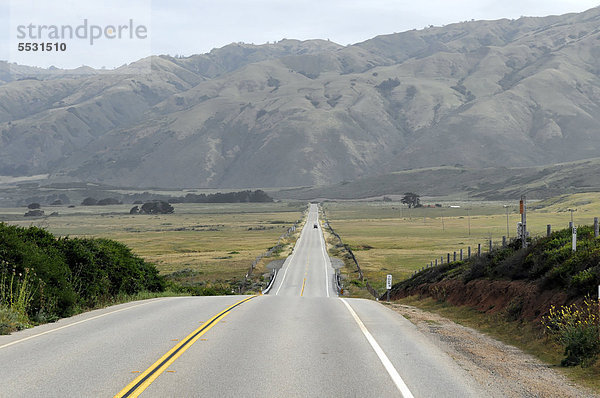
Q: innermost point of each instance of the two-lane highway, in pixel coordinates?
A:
(301, 340)
(307, 272)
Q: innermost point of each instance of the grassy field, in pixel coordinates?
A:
(217, 242)
(388, 238)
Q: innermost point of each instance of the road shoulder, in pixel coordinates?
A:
(501, 369)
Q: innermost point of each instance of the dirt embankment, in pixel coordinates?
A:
(518, 299)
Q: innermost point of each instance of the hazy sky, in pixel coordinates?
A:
(196, 26)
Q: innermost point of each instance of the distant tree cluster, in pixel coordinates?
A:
(102, 202)
(35, 213)
(53, 199)
(386, 86)
(155, 207)
(257, 196)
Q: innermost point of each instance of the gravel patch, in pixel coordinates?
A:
(503, 370)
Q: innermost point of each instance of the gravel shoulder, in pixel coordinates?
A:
(503, 370)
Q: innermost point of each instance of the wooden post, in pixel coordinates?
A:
(454, 256)
(548, 230)
(504, 241)
(523, 209)
(442, 260)
(491, 246)
(448, 258)
(596, 227)
(461, 255)
(469, 252)
(479, 250)
(436, 262)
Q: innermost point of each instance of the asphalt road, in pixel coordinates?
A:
(301, 340)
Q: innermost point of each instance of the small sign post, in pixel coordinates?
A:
(388, 286)
(574, 239)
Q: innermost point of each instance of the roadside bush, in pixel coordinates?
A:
(576, 328)
(512, 264)
(43, 278)
(477, 268)
(10, 321)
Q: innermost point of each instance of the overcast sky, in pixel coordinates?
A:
(188, 27)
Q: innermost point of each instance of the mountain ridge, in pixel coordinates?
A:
(481, 94)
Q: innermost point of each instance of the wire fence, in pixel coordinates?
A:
(490, 246)
(347, 248)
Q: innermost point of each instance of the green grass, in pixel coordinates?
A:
(522, 335)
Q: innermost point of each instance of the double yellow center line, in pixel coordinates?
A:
(143, 381)
(304, 281)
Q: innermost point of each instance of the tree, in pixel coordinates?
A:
(157, 207)
(411, 199)
(89, 202)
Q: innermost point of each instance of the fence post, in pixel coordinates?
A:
(596, 228)
(442, 260)
(448, 258)
(461, 255)
(436, 262)
(479, 250)
(454, 256)
(491, 246)
(504, 241)
(548, 230)
(469, 252)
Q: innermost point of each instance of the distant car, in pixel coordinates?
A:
(315, 226)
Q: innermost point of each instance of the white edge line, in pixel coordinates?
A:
(73, 324)
(402, 387)
(286, 270)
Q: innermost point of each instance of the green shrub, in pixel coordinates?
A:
(11, 321)
(576, 328)
(62, 276)
(477, 268)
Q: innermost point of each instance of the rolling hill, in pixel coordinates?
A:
(482, 94)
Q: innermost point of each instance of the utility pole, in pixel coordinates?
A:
(469, 220)
(523, 211)
(442, 212)
(507, 229)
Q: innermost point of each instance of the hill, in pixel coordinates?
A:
(504, 93)
(492, 183)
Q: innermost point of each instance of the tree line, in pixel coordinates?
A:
(257, 196)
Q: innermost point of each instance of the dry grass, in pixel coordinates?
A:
(216, 241)
(389, 239)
